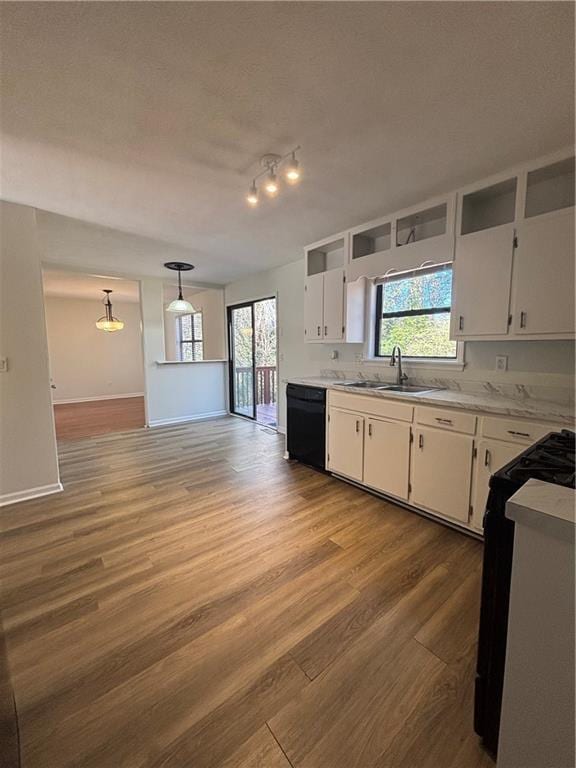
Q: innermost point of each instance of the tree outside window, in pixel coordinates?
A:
(413, 312)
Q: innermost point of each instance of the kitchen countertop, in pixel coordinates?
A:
(522, 408)
(545, 506)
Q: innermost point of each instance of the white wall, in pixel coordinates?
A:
(534, 363)
(176, 391)
(211, 304)
(28, 458)
(88, 363)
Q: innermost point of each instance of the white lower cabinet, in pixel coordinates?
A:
(387, 456)
(441, 473)
(346, 443)
(491, 455)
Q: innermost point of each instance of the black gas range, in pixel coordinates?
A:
(551, 459)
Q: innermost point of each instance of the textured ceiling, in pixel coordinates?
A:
(70, 285)
(149, 118)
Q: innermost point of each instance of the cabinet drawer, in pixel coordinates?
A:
(452, 420)
(374, 406)
(512, 430)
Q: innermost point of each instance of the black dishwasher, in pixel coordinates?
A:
(306, 429)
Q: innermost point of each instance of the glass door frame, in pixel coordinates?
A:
(231, 362)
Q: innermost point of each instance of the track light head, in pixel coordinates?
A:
(293, 170)
(252, 196)
(271, 183)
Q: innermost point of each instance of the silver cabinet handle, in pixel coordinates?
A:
(487, 458)
(357, 426)
(443, 421)
(420, 441)
(519, 434)
(522, 319)
(318, 330)
(461, 323)
(370, 429)
(325, 330)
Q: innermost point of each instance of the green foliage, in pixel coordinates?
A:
(425, 335)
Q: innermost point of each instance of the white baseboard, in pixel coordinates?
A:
(97, 397)
(184, 419)
(30, 493)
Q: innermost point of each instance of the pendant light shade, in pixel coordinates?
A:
(108, 322)
(179, 306)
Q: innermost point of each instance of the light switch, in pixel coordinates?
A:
(3, 364)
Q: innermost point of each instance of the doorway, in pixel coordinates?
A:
(96, 368)
(252, 334)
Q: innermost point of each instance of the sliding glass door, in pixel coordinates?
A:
(253, 373)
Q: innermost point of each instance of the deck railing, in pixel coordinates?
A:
(266, 386)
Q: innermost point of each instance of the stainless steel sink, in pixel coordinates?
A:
(366, 384)
(408, 388)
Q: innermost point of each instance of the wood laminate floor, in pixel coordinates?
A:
(192, 600)
(97, 417)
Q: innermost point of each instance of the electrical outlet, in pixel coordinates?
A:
(334, 354)
(3, 364)
(501, 362)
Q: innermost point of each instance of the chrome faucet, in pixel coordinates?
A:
(397, 352)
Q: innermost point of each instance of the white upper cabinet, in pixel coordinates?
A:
(481, 283)
(544, 275)
(513, 272)
(333, 307)
(314, 307)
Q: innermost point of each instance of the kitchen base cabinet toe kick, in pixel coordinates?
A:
(435, 461)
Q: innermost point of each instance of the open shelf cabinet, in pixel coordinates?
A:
(489, 207)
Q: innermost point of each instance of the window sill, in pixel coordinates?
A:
(187, 362)
(452, 365)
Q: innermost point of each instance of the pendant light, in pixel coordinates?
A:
(108, 322)
(180, 305)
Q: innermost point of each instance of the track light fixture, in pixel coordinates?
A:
(271, 163)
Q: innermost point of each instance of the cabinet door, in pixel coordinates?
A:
(345, 443)
(441, 472)
(334, 305)
(491, 456)
(544, 274)
(387, 456)
(481, 283)
(314, 308)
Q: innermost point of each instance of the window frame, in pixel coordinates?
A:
(193, 341)
(373, 341)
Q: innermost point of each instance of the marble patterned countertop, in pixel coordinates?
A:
(521, 407)
(546, 506)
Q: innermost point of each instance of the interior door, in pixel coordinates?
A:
(346, 443)
(544, 274)
(492, 456)
(441, 472)
(333, 305)
(387, 456)
(481, 282)
(314, 308)
(242, 358)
